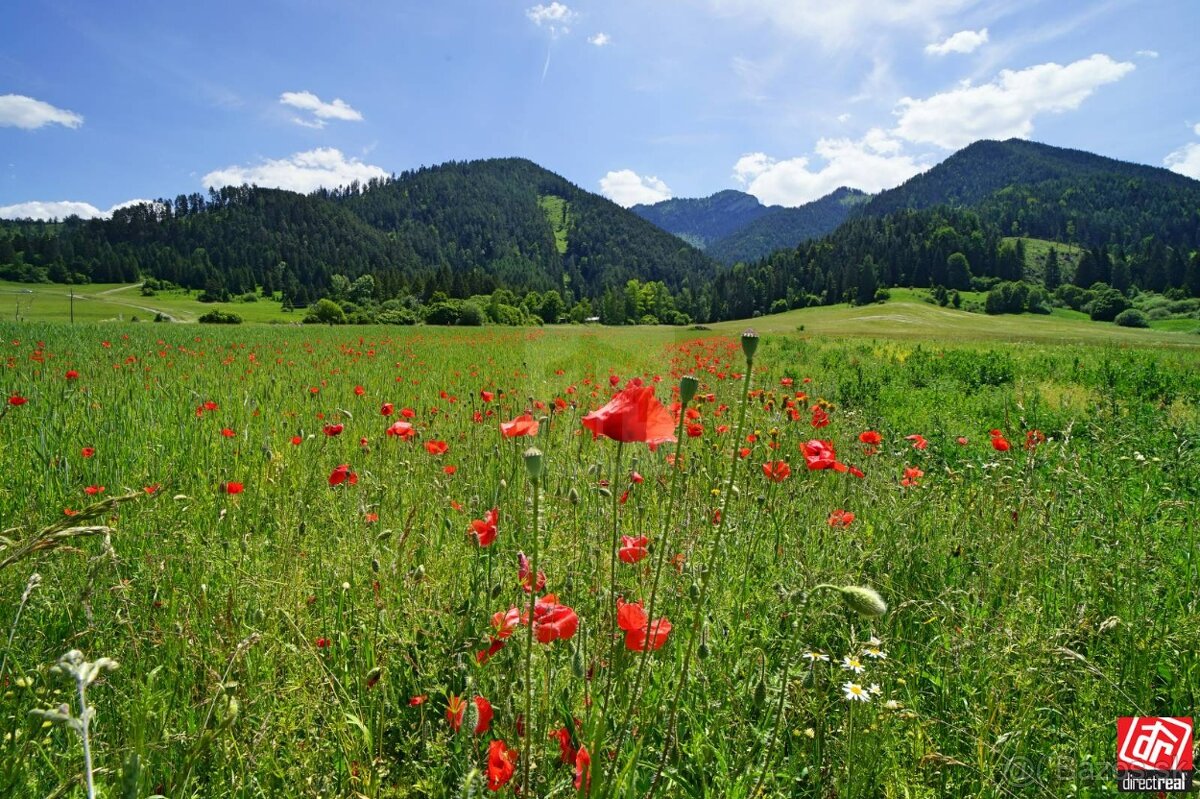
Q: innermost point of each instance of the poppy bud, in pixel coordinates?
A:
(749, 344)
(373, 677)
(704, 650)
(503, 484)
(688, 385)
(863, 601)
(497, 589)
(577, 665)
(694, 590)
(760, 692)
(573, 496)
(419, 573)
(375, 565)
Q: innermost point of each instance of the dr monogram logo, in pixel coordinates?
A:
(1154, 753)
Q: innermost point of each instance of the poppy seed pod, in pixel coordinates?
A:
(749, 344)
(578, 667)
(688, 385)
(863, 601)
(533, 463)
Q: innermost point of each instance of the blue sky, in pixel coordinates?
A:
(103, 103)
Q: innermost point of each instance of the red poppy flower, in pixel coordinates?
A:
(636, 478)
(436, 447)
(484, 529)
(841, 518)
(371, 518)
(872, 439)
(209, 406)
(918, 441)
(87, 452)
(483, 709)
(402, 430)
(566, 749)
(342, 474)
(449, 470)
(408, 413)
(777, 471)
(455, 706)
(821, 455)
(151, 489)
(16, 400)
(296, 441)
(1033, 438)
(72, 374)
(912, 476)
(962, 440)
(632, 618)
(322, 643)
(524, 574)
(999, 442)
(417, 700)
(232, 488)
(359, 391)
(632, 415)
(633, 548)
(484, 655)
(583, 770)
(486, 396)
(502, 764)
(92, 491)
(225, 431)
(819, 417)
(334, 429)
(387, 409)
(552, 621)
(524, 425)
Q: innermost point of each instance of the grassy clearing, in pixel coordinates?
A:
(304, 639)
(121, 302)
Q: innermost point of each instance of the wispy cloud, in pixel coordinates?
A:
(1147, 53)
(320, 110)
(961, 42)
(1007, 106)
(555, 18)
(625, 187)
(872, 163)
(61, 209)
(324, 167)
(19, 111)
(600, 39)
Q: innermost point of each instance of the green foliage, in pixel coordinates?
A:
(217, 317)
(325, 312)
(1106, 303)
(1131, 317)
(781, 228)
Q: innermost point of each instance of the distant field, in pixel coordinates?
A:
(119, 302)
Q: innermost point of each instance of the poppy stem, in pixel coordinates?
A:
(705, 581)
(661, 547)
(533, 596)
(612, 589)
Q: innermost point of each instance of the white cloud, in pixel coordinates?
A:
(19, 111)
(1007, 106)
(302, 172)
(961, 42)
(872, 163)
(625, 187)
(1185, 160)
(838, 24)
(1147, 53)
(320, 110)
(555, 17)
(60, 209)
(1196, 129)
(843, 118)
(600, 39)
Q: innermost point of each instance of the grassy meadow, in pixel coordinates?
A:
(304, 604)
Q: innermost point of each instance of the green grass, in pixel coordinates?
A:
(1036, 251)
(120, 302)
(271, 642)
(558, 213)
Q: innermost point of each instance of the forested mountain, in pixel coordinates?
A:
(461, 229)
(703, 221)
(1031, 189)
(782, 227)
(732, 226)
(522, 242)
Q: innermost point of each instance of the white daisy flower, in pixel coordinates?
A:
(853, 692)
(892, 704)
(852, 664)
(874, 689)
(875, 652)
(813, 655)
